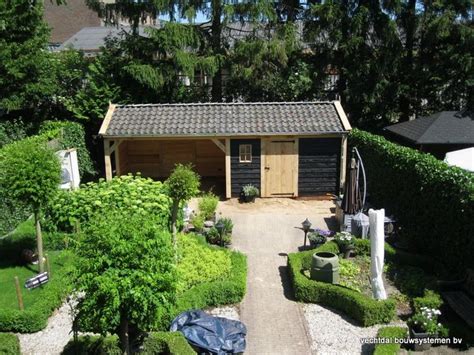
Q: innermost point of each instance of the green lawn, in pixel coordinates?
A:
(58, 260)
(10, 250)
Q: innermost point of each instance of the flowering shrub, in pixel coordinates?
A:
(344, 240)
(319, 236)
(426, 321)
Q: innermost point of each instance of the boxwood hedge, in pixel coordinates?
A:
(433, 202)
(172, 343)
(363, 309)
(9, 344)
(210, 294)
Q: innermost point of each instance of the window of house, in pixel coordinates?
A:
(245, 153)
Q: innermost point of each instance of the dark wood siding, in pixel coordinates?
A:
(318, 166)
(244, 173)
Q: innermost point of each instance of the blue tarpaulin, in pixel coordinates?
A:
(213, 334)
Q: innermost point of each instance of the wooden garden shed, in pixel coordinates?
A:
(286, 149)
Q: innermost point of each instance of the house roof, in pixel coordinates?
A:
(68, 18)
(91, 39)
(446, 127)
(225, 119)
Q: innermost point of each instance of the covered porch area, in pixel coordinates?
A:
(156, 158)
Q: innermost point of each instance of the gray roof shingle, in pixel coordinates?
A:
(446, 127)
(224, 119)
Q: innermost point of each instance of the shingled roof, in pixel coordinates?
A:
(225, 119)
(446, 127)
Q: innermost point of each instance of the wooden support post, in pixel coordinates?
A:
(296, 153)
(228, 189)
(342, 177)
(107, 161)
(48, 266)
(19, 296)
(263, 180)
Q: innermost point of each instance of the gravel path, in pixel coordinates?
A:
(52, 339)
(335, 333)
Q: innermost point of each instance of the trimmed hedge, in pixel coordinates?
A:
(35, 318)
(433, 202)
(363, 309)
(93, 345)
(389, 333)
(9, 344)
(210, 294)
(172, 343)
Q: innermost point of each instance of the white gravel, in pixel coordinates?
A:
(52, 339)
(231, 312)
(334, 333)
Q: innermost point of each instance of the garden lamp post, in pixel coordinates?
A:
(306, 227)
(220, 229)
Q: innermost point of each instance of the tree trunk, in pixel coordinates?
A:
(39, 242)
(174, 217)
(123, 335)
(406, 98)
(216, 45)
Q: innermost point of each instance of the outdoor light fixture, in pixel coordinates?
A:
(220, 228)
(306, 228)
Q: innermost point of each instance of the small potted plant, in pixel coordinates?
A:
(424, 325)
(249, 192)
(345, 242)
(318, 237)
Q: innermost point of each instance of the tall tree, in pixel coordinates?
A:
(30, 174)
(126, 270)
(213, 35)
(25, 79)
(360, 41)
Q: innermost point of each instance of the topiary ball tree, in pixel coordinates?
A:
(183, 184)
(30, 173)
(126, 271)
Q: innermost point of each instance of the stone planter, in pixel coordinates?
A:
(420, 335)
(325, 267)
(347, 250)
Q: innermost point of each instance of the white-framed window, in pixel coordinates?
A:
(245, 153)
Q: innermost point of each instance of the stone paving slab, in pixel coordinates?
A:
(266, 233)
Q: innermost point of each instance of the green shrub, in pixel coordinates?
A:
(198, 222)
(210, 294)
(390, 333)
(200, 263)
(410, 280)
(93, 345)
(172, 343)
(207, 205)
(135, 193)
(363, 309)
(9, 344)
(405, 181)
(70, 135)
(430, 299)
(35, 317)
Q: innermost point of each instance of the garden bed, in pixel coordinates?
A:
(360, 307)
(39, 303)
